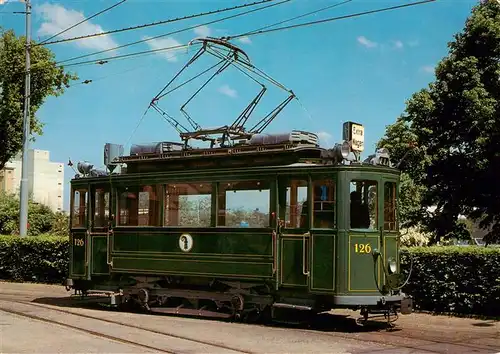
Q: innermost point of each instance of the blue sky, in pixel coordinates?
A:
(361, 69)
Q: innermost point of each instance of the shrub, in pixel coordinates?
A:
(459, 280)
(42, 259)
(414, 236)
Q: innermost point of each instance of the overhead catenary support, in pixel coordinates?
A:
(23, 215)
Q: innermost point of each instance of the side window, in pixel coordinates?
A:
(390, 206)
(244, 204)
(139, 206)
(293, 203)
(79, 208)
(324, 203)
(363, 208)
(101, 207)
(188, 204)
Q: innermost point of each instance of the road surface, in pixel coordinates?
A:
(38, 318)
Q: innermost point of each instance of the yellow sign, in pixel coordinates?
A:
(357, 137)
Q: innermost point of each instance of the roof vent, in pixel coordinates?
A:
(295, 136)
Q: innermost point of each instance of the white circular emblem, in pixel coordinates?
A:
(186, 242)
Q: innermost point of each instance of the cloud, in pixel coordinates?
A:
(203, 31)
(427, 69)
(398, 44)
(57, 18)
(161, 43)
(413, 43)
(366, 42)
(228, 91)
(245, 40)
(324, 137)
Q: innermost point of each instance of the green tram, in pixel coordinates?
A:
(273, 223)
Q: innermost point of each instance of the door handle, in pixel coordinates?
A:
(304, 250)
(381, 236)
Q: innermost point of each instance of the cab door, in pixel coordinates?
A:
(79, 243)
(100, 234)
(293, 232)
(365, 232)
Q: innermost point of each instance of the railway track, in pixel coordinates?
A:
(409, 340)
(215, 346)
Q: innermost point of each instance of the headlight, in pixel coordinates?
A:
(393, 266)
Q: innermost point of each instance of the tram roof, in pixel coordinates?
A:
(167, 158)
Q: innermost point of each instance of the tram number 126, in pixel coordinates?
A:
(362, 248)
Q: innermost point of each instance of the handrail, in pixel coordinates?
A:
(108, 244)
(275, 253)
(304, 265)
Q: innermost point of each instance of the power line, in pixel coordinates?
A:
(174, 32)
(116, 57)
(331, 19)
(158, 22)
(84, 20)
(300, 16)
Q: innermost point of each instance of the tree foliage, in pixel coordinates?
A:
(454, 127)
(40, 218)
(46, 80)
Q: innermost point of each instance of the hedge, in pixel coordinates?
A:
(454, 279)
(458, 280)
(41, 258)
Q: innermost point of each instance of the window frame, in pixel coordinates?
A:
(273, 183)
(364, 178)
(396, 211)
(83, 225)
(286, 179)
(137, 189)
(321, 177)
(93, 201)
(212, 194)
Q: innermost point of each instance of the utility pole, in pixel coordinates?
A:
(23, 217)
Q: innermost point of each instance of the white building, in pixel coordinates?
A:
(45, 178)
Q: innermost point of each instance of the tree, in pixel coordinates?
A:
(40, 218)
(455, 124)
(46, 80)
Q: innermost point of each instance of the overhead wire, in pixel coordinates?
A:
(175, 32)
(157, 23)
(331, 19)
(46, 41)
(128, 55)
(301, 16)
(256, 32)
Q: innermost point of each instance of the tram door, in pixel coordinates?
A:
(78, 236)
(307, 235)
(293, 232)
(100, 235)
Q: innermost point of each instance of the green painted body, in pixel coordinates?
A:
(304, 262)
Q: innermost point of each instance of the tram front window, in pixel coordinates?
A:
(79, 208)
(363, 208)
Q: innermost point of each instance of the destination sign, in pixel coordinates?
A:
(354, 133)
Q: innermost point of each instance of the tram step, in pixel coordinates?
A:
(292, 306)
(190, 312)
